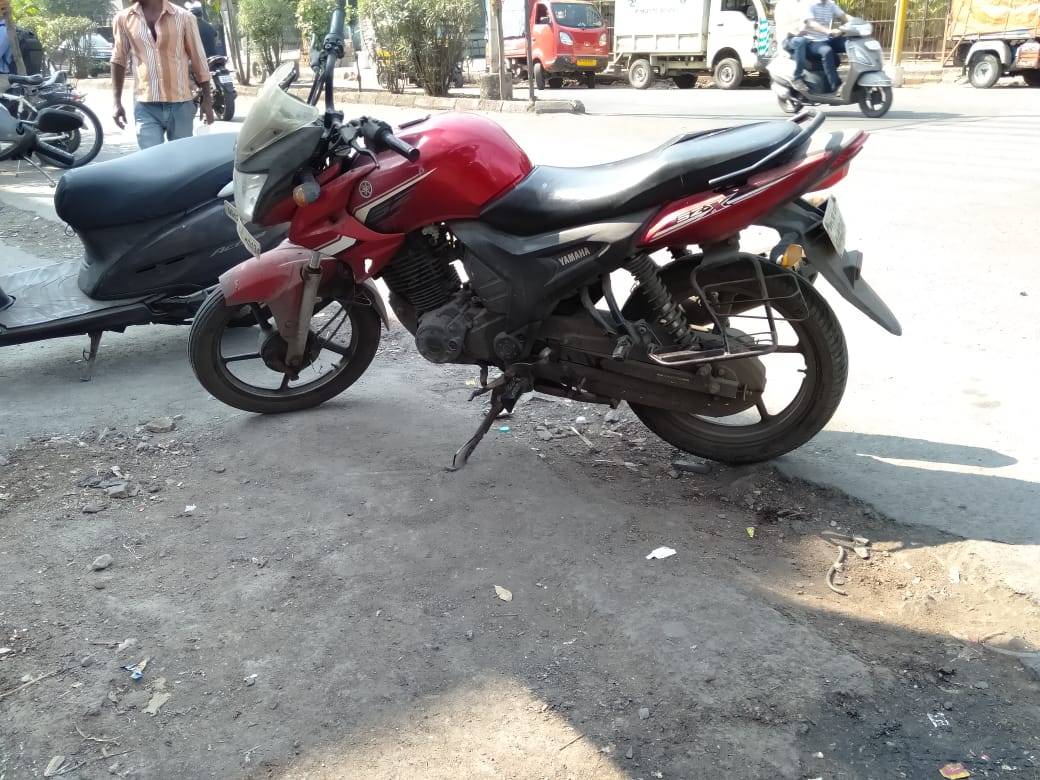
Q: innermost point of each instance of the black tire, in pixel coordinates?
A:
(685, 81)
(590, 80)
(73, 144)
(640, 74)
(825, 346)
(984, 71)
(1032, 77)
(789, 105)
(539, 76)
(214, 317)
(729, 73)
(874, 102)
(228, 112)
(555, 82)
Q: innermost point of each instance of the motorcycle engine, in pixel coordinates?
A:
(441, 335)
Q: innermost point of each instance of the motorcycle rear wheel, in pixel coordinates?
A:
(206, 352)
(822, 346)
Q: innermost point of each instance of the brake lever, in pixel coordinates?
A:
(364, 151)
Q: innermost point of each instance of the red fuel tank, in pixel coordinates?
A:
(465, 162)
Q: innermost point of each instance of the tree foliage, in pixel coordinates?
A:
(428, 36)
(312, 17)
(67, 34)
(265, 22)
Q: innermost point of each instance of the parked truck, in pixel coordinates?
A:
(994, 38)
(681, 39)
(568, 40)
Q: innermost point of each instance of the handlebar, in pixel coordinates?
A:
(378, 137)
(58, 155)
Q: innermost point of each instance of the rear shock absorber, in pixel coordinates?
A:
(664, 306)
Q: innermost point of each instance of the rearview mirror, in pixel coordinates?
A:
(54, 120)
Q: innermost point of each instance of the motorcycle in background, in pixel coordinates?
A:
(864, 83)
(28, 95)
(691, 348)
(222, 85)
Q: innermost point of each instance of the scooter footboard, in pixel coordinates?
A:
(275, 279)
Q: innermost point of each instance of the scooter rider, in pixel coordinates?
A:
(790, 18)
(825, 41)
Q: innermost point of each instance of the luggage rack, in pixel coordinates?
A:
(752, 345)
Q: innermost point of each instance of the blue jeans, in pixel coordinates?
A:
(827, 52)
(158, 122)
(796, 46)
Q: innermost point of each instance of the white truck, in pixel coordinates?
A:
(681, 39)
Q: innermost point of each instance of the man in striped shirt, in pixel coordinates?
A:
(161, 42)
(825, 42)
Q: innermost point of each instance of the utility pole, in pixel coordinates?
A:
(497, 84)
(530, 60)
(12, 37)
(898, 36)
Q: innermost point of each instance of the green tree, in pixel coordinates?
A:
(312, 18)
(68, 32)
(99, 11)
(429, 35)
(265, 22)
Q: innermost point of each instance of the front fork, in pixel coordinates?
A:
(308, 296)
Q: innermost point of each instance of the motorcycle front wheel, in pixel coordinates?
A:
(242, 363)
(803, 381)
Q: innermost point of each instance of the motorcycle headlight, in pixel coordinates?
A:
(248, 187)
(566, 39)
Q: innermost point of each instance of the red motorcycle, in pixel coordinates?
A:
(687, 350)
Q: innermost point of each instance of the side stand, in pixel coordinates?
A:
(90, 356)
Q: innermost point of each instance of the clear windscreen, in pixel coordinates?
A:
(275, 115)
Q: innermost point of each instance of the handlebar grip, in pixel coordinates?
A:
(395, 144)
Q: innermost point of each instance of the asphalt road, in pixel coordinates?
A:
(935, 426)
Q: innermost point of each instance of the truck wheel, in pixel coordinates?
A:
(539, 75)
(640, 74)
(555, 82)
(729, 73)
(1032, 77)
(685, 81)
(985, 70)
(590, 80)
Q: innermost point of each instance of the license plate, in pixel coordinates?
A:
(231, 210)
(586, 63)
(226, 78)
(247, 238)
(834, 225)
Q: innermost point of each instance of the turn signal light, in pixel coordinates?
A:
(793, 256)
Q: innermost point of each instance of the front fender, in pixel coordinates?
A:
(275, 279)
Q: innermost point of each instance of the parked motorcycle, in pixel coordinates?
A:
(154, 231)
(27, 95)
(689, 348)
(222, 85)
(864, 83)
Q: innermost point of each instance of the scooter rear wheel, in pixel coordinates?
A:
(874, 102)
(242, 367)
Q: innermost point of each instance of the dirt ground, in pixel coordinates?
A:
(315, 597)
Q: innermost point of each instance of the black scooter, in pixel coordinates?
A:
(154, 230)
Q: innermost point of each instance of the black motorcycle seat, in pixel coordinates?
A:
(33, 81)
(554, 198)
(166, 179)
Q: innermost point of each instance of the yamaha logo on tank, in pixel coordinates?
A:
(365, 189)
(578, 254)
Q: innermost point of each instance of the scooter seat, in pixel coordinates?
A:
(162, 180)
(555, 198)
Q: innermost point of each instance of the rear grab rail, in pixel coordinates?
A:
(815, 119)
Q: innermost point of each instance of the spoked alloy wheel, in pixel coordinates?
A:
(805, 377)
(243, 365)
(874, 102)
